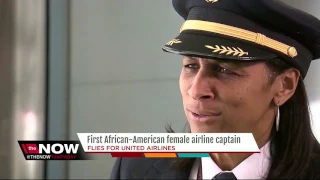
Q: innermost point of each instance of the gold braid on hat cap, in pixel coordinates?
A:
(240, 34)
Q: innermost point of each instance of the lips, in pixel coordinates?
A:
(203, 116)
(204, 113)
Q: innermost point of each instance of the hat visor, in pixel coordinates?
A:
(217, 46)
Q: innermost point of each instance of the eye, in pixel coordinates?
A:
(191, 67)
(223, 70)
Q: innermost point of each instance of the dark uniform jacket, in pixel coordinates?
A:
(159, 168)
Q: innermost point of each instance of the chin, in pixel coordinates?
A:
(196, 127)
(203, 130)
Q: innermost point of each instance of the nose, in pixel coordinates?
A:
(201, 88)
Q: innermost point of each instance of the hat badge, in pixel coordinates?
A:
(174, 41)
(227, 50)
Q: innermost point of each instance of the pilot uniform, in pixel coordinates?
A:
(243, 30)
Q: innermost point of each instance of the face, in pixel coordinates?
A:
(224, 96)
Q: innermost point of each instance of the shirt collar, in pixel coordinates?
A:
(255, 166)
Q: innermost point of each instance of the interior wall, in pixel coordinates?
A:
(121, 81)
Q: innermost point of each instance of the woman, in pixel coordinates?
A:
(243, 69)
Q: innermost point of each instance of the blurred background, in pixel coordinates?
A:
(71, 66)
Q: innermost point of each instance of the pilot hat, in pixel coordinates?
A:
(246, 30)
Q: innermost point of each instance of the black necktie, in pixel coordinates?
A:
(225, 175)
(220, 176)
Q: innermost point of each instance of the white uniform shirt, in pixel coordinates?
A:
(255, 166)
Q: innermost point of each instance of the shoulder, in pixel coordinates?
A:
(129, 168)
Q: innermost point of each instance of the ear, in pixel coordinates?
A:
(287, 82)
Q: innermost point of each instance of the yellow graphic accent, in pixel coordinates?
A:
(212, 1)
(227, 50)
(240, 34)
(174, 41)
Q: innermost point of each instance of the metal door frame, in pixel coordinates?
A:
(23, 61)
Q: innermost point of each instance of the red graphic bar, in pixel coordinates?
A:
(127, 154)
(24, 148)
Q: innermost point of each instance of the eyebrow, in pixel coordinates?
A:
(229, 62)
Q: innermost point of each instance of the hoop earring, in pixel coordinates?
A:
(277, 119)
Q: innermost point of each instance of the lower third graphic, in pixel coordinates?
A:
(53, 150)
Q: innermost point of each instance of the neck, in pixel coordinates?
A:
(228, 161)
